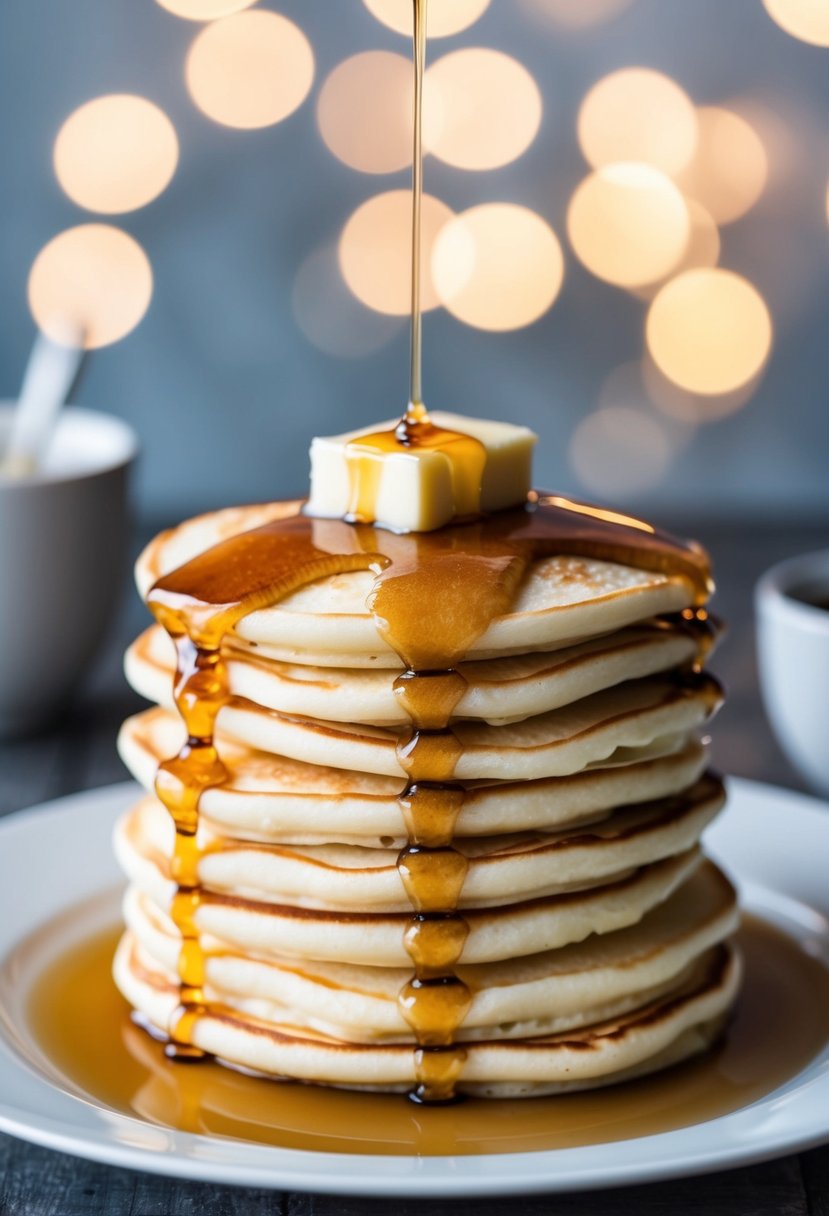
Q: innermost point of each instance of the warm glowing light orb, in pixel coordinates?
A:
(628, 223)
(702, 249)
(115, 153)
(709, 331)
(620, 450)
(94, 279)
(729, 169)
(374, 251)
(807, 20)
(625, 386)
(444, 18)
(497, 266)
(577, 14)
(329, 315)
(250, 70)
(692, 409)
(204, 10)
(487, 106)
(637, 114)
(364, 112)
(704, 243)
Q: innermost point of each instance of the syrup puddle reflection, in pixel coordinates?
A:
(82, 1027)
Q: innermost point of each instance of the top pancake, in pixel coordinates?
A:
(326, 623)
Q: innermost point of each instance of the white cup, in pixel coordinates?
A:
(793, 647)
(64, 544)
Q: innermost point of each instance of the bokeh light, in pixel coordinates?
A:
(620, 450)
(250, 70)
(447, 17)
(729, 169)
(577, 14)
(498, 266)
(623, 385)
(329, 315)
(628, 223)
(702, 249)
(364, 112)
(94, 279)
(374, 251)
(637, 114)
(709, 331)
(704, 243)
(115, 153)
(692, 409)
(627, 385)
(807, 20)
(788, 131)
(204, 10)
(487, 106)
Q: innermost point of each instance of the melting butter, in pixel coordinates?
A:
(420, 479)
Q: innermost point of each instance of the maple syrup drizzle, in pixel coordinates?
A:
(703, 627)
(434, 594)
(475, 570)
(415, 433)
(200, 691)
(416, 413)
(435, 1001)
(87, 1039)
(198, 624)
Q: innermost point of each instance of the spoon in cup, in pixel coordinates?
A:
(51, 373)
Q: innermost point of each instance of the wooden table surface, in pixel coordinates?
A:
(80, 754)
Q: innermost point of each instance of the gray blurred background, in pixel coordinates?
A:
(221, 383)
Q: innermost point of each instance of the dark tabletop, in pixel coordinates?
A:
(79, 753)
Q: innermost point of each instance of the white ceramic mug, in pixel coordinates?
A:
(64, 544)
(793, 647)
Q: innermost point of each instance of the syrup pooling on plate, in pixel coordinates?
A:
(82, 1025)
(434, 595)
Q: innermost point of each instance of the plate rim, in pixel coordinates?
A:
(196, 1157)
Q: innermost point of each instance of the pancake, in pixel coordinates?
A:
(562, 741)
(502, 865)
(353, 878)
(561, 600)
(545, 993)
(377, 938)
(273, 799)
(668, 1029)
(498, 690)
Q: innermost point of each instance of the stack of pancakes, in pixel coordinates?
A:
(597, 944)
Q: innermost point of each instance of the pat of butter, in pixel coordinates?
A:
(420, 488)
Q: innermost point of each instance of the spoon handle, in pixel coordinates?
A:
(50, 374)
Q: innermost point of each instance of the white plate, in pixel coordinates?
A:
(774, 842)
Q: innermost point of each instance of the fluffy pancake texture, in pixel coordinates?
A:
(327, 623)
(548, 992)
(596, 942)
(663, 1031)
